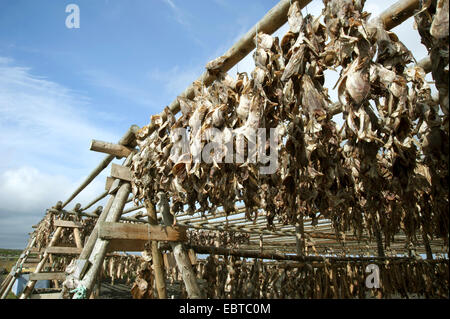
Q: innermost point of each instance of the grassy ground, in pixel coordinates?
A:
(10, 252)
(8, 258)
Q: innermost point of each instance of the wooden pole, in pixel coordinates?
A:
(158, 264)
(30, 285)
(127, 139)
(87, 249)
(12, 276)
(89, 244)
(181, 256)
(300, 235)
(277, 256)
(399, 12)
(101, 246)
(110, 148)
(77, 236)
(426, 243)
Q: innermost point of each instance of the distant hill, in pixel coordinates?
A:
(10, 252)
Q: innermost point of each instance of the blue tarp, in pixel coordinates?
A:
(21, 282)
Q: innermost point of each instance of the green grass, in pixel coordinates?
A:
(7, 264)
(10, 252)
(11, 296)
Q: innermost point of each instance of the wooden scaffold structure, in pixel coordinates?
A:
(342, 201)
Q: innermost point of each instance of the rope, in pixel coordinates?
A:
(79, 292)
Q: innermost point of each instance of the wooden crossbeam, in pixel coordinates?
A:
(110, 148)
(63, 250)
(128, 139)
(67, 223)
(121, 172)
(133, 237)
(54, 295)
(112, 231)
(48, 276)
(35, 250)
(32, 265)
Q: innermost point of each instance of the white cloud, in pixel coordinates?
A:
(176, 79)
(26, 193)
(119, 87)
(170, 3)
(27, 190)
(45, 131)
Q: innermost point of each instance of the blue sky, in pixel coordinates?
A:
(60, 87)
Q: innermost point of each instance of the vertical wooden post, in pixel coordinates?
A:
(181, 256)
(261, 247)
(91, 240)
(379, 239)
(89, 245)
(426, 242)
(300, 236)
(76, 235)
(158, 264)
(100, 248)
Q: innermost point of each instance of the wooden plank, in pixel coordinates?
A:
(66, 223)
(109, 182)
(54, 295)
(48, 276)
(111, 231)
(81, 267)
(128, 139)
(33, 260)
(121, 172)
(29, 265)
(35, 250)
(110, 148)
(63, 250)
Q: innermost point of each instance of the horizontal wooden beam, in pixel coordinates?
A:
(277, 256)
(53, 295)
(67, 223)
(128, 139)
(121, 172)
(33, 260)
(122, 231)
(63, 250)
(48, 276)
(110, 148)
(32, 266)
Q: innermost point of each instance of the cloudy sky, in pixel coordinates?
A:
(60, 87)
